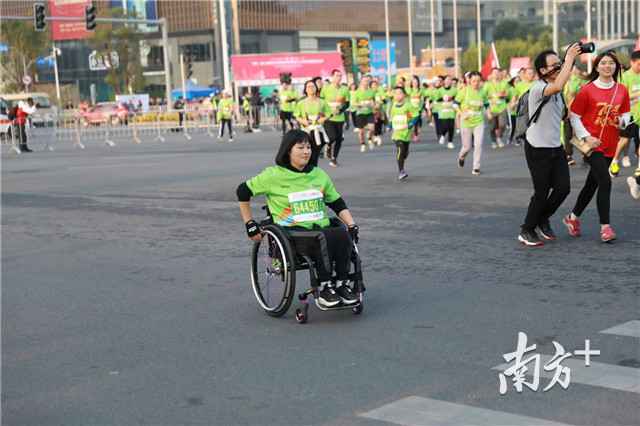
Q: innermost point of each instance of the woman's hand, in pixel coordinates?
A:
(593, 142)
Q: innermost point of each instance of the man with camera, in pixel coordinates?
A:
(545, 156)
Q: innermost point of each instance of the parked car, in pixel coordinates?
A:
(104, 113)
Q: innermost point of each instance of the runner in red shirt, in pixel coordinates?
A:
(599, 110)
(24, 110)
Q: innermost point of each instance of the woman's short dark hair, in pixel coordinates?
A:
(594, 71)
(305, 86)
(399, 87)
(541, 60)
(289, 139)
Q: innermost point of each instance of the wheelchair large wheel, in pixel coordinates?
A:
(273, 271)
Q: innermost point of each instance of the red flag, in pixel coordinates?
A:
(490, 63)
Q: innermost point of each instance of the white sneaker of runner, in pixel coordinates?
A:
(500, 143)
(626, 161)
(450, 145)
(634, 188)
(441, 141)
(378, 141)
(493, 145)
(371, 145)
(363, 148)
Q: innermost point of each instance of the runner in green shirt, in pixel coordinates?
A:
(403, 114)
(352, 108)
(434, 102)
(337, 98)
(571, 89)
(297, 195)
(288, 98)
(472, 101)
(631, 80)
(416, 99)
(497, 90)
(519, 89)
(364, 101)
(311, 112)
(447, 112)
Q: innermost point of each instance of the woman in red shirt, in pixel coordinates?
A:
(598, 111)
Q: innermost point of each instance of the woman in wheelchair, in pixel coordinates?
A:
(297, 194)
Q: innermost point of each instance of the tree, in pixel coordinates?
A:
(125, 40)
(25, 46)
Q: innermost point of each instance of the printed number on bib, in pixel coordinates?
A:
(307, 206)
(400, 122)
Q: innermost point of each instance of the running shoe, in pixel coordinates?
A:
(441, 140)
(626, 161)
(636, 173)
(571, 161)
(607, 234)
(328, 296)
(450, 145)
(614, 169)
(371, 145)
(494, 145)
(461, 162)
(634, 188)
(530, 239)
(333, 163)
(363, 148)
(573, 225)
(545, 231)
(230, 139)
(500, 144)
(517, 142)
(403, 175)
(356, 130)
(378, 141)
(346, 294)
(475, 172)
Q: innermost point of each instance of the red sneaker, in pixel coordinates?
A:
(607, 234)
(573, 225)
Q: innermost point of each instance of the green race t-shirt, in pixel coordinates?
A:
(471, 106)
(295, 198)
(364, 101)
(400, 116)
(335, 97)
(445, 108)
(311, 109)
(415, 97)
(288, 100)
(498, 95)
(631, 81)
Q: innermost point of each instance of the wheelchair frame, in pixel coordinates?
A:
(297, 257)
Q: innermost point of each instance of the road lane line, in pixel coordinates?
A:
(631, 328)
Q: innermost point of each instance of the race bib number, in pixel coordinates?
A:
(400, 122)
(307, 206)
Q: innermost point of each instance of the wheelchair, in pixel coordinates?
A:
(280, 254)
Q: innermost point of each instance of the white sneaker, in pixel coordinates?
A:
(500, 144)
(356, 130)
(626, 161)
(378, 141)
(450, 145)
(634, 188)
(441, 141)
(493, 145)
(230, 139)
(371, 145)
(363, 148)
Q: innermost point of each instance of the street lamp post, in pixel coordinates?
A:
(455, 39)
(479, 36)
(386, 27)
(410, 35)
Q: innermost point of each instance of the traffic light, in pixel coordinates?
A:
(362, 55)
(39, 18)
(189, 70)
(90, 14)
(347, 54)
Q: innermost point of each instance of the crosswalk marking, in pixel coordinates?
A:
(418, 411)
(597, 374)
(631, 328)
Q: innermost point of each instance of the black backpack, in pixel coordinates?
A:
(523, 121)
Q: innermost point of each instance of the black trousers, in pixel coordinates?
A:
(436, 123)
(255, 110)
(551, 183)
(226, 122)
(22, 134)
(597, 179)
(447, 127)
(402, 152)
(335, 132)
(339, 248)
(316, 149)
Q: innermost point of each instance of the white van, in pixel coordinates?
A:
(45, 114)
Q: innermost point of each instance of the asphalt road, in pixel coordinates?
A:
(126, 297)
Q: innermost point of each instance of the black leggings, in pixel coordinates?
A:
(315, 149)
(402, 153)
(597, 179)
(335, 134)
(447, 127)
(339, 248)
(377, 126)
(436, 123)
(224, 122)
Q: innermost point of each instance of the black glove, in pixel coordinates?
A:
(252, 228)
(353, 231)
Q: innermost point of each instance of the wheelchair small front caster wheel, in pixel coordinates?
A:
(358, 309)
(301, 317)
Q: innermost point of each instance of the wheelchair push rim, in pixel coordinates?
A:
(272, 272)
